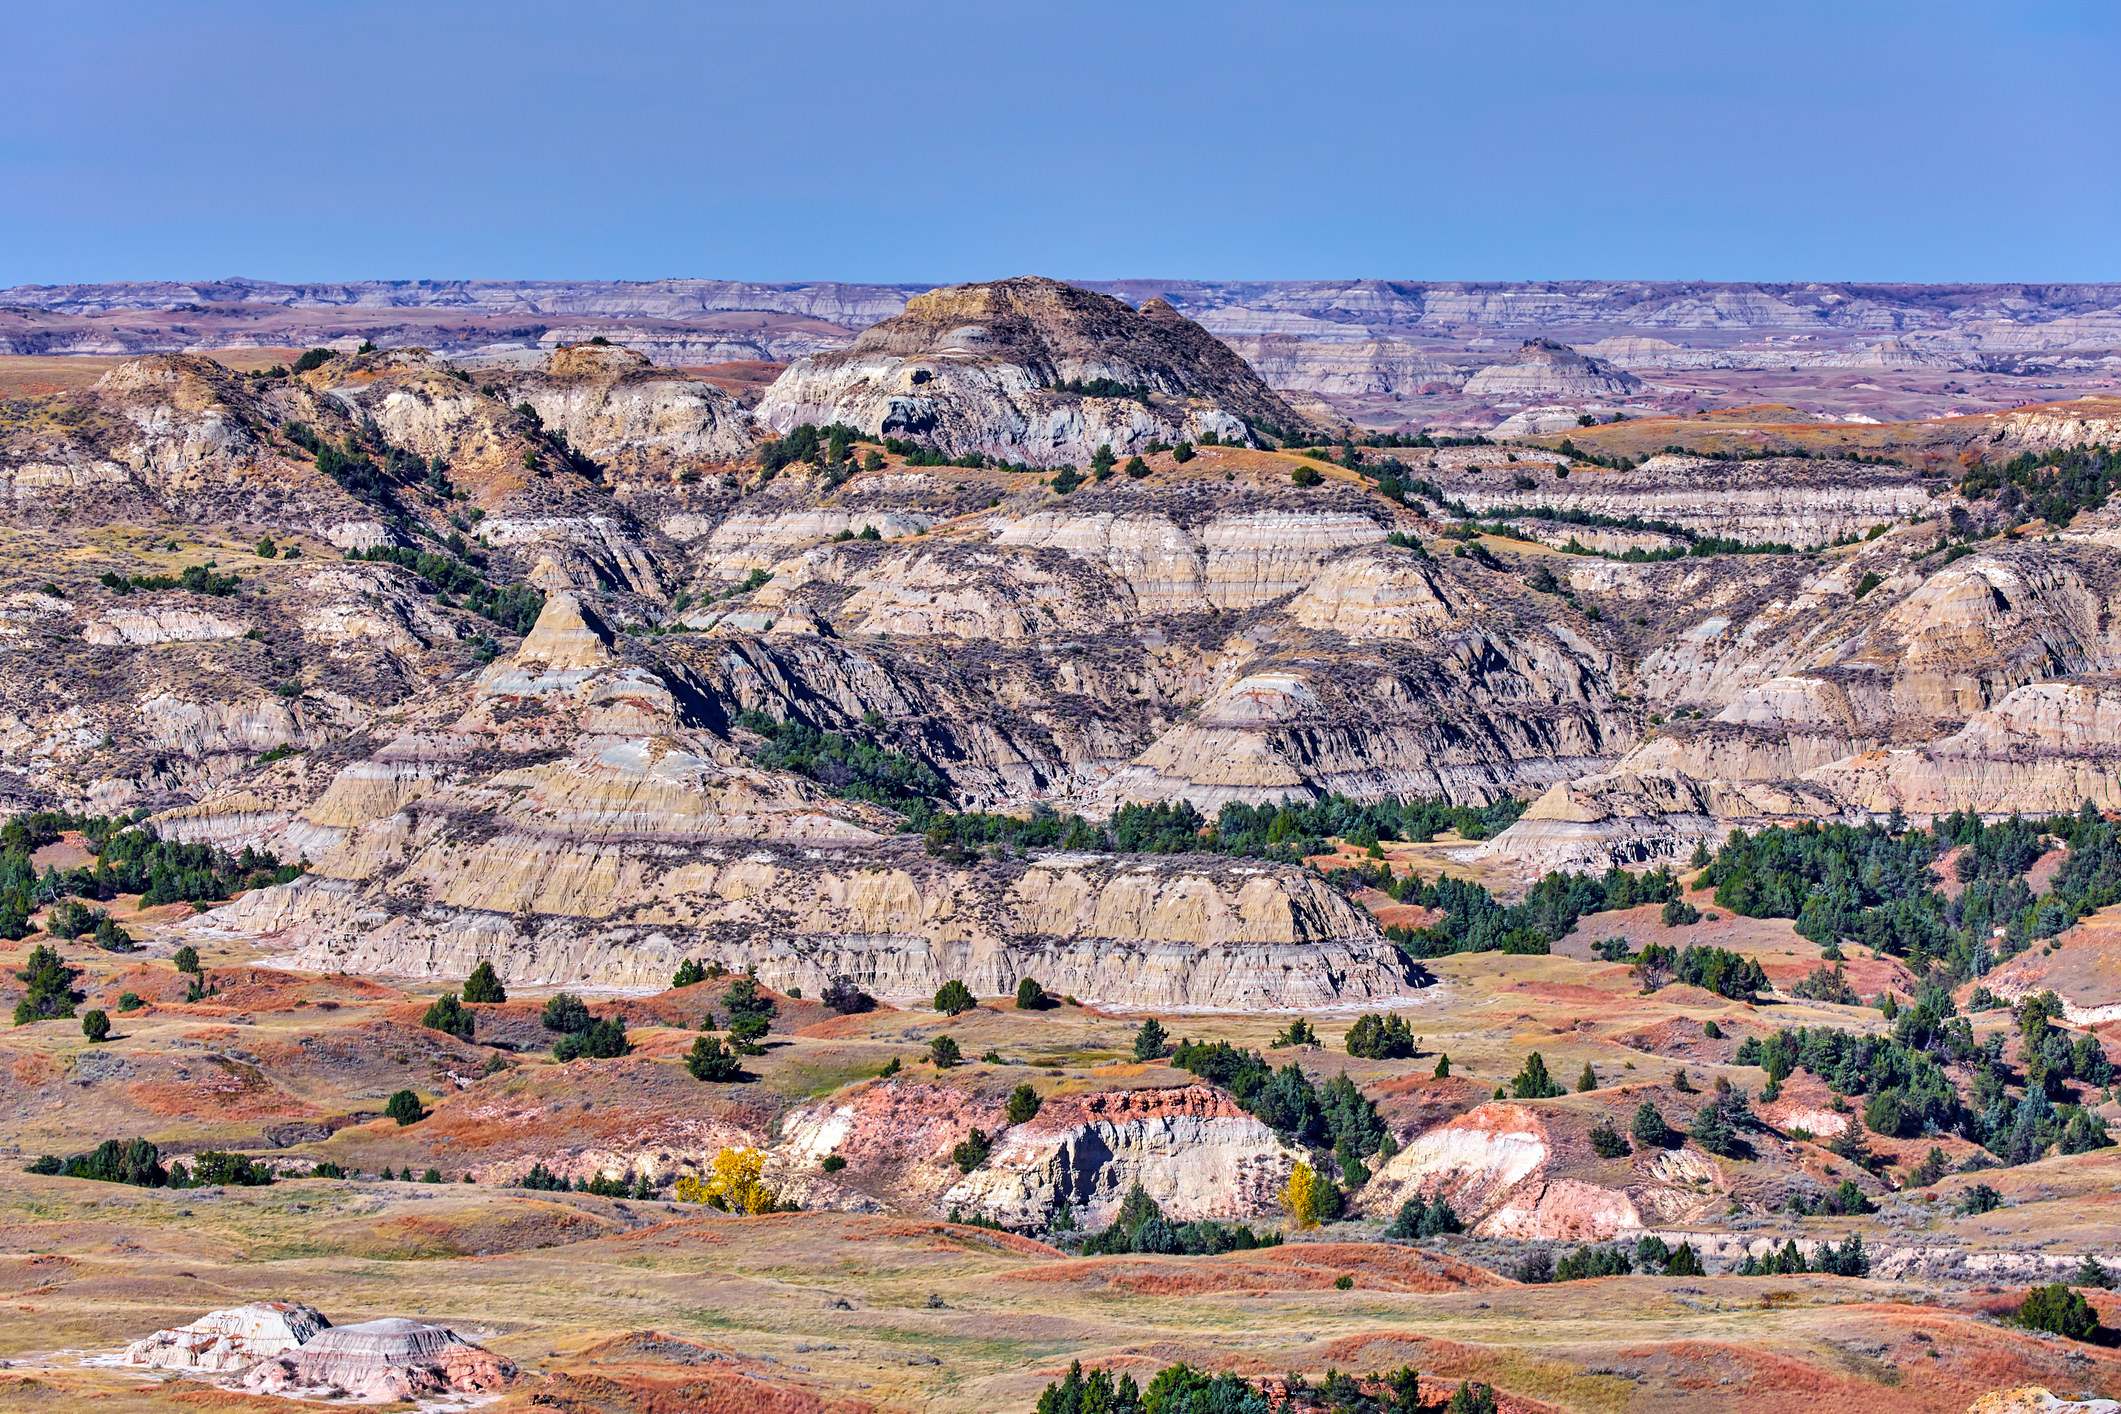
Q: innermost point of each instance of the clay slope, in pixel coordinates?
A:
(1209, 631)
(975, 368)
(1545, 369)
(574, 817)
(1981, 683)
(1189, 1147)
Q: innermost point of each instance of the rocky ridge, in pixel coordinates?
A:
(979, 368)
(1543, 369)
(2002, 317)
(1208, 631)
(579, 823)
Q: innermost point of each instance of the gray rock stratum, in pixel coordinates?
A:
(230, 1341)
(380, 1361)
(1543, 370)
(978, 368)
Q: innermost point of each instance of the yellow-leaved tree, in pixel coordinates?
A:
(735, 1178)
(1299, 1196)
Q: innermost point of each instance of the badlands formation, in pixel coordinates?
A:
(855, 895)
(986, 368)
(1394, 350)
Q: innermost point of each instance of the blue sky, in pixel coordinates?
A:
(805, 139)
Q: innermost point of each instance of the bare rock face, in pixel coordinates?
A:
(1630, 351)
(1345, 368)
(159, 624)
(1191, 1148)
(974, 368)
(1544, 370)
(616, 407)
(223, 1342)
(383, 1360)
(571, 819)
(1615, 818)
(1791, 501)
(1204, 933)
(2045, 749)
(2089, 421)
(1508, 1170)
(1421, 700)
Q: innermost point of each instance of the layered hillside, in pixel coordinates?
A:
(1650, 651)
(1973, 683)
(572, 818)
(1031, 369)
(1544, 370)
(490, 683)
(2003, 318)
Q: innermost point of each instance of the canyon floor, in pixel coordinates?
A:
(890, 1310)
(825, 1311)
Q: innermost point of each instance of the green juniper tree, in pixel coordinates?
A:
(484, 986)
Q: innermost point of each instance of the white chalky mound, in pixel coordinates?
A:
(383, 1360)
(222, 1342)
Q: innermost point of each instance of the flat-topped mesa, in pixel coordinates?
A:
(384, 1360)
(223, 1342)
(985, 368)
(1545, 369)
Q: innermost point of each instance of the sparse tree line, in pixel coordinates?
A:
(1475, 921)
(847, 766)
(458, 579)
(1396, 483)
(196, 579)
(139, 1163)
(1287, 831)
(830, 449)
(1496, 521)
(367, 465)
(1181, 1389)
(131, 858)
(2052, 485)
(1873, 885)
(1140, 1226)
